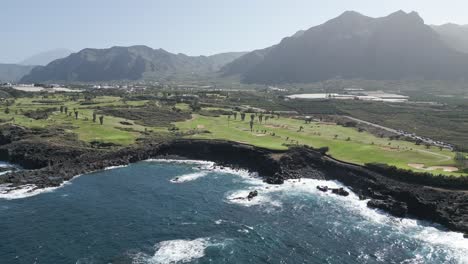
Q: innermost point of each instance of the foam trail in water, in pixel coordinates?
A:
(176, 251)
(189, 177)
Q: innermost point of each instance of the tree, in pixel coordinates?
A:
(260, 118)
(94, 117)
(7, 110)
(61, 109)
(101, 120)
(251, 125)
(242, 116)
(335, 136)
(195, 106)
(461, 160)
(266, 118)
(235, 115)
(300, 128)
(65, 109)
(252, 116)
(76, 114)
(459, 157)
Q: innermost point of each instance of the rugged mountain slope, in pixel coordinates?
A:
(13, 72)
(455, 36)
(399, 46)
(46, 57)
(250, 60)
(126, 63)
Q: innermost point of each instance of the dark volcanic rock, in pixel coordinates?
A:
(275, 179)
(322, 188)
(3, 169)
(252, 194)
(60, 163)
(340, 191)
(395, 208)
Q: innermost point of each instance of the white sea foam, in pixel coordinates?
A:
(176, 251)
(9, 192)
(199, 162)
(115, 167)
(220, 221)
(189, 177)
(271, 195)
(263, 198)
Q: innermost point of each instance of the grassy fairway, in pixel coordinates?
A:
(85, 129)
(349, 145)
(345, 144)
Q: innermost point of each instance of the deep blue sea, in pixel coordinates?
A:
(186, 212)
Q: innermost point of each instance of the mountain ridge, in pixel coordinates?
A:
(46, 57)
(352, 45)
(126, 63)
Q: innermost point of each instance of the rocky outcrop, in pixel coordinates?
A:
(447, 207)
(395, 208)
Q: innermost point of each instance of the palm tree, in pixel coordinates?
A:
(101, 120)
(94, 117)
(252, 116)
(242, 116)
(260, 118)
(235, 115)
(76, 114)
(251, 125)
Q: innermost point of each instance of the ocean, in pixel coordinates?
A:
(163, 211)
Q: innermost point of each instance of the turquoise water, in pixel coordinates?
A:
(141, 214)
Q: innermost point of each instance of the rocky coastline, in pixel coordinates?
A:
(49, 165)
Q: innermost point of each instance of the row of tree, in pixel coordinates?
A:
(64, 109)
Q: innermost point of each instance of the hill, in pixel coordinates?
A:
(455, 36)
(46, 57)
(13, 72)
(398, 46)
(126, 63)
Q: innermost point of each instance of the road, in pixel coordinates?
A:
(445, 157)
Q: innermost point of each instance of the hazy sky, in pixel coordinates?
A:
(194, 27)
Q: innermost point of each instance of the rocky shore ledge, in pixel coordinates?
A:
(50, 165)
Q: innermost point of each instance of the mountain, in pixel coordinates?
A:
(248, 61)
(221, 59)
(455, 36)
(126, 63)
(45, 58)
(398, 46)
(13, 72)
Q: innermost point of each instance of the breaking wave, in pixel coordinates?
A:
(176, 251)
